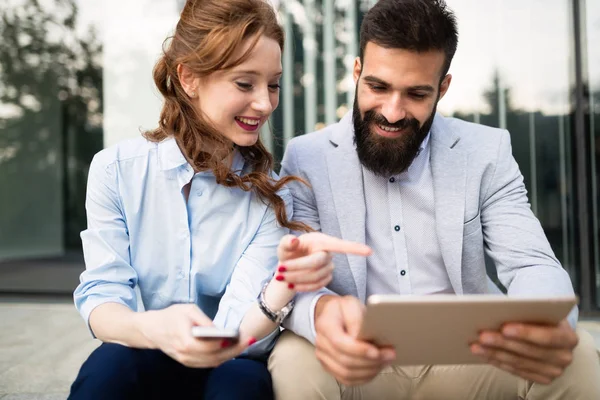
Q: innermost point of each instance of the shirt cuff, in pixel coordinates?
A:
(90, 305)
(313, 305)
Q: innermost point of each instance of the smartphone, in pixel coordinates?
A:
(212, 332)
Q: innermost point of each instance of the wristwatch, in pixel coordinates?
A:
(275, 316)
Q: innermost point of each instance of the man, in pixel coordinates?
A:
(431, 196)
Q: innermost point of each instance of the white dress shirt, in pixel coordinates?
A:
(400, 228)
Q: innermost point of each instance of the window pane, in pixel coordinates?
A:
(511, 73)
(592, 15)
(50, 122)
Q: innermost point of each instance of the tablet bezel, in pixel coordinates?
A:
(438, 329)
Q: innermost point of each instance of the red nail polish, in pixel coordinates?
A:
(282, 269)
(279, 278)
(225, 343)
(251, 341)
(291, 285)
(295, 241)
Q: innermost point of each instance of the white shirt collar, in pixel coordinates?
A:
(421, 161)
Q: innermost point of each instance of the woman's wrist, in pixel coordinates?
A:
(278, 294)
(142, 324)
(116, 323)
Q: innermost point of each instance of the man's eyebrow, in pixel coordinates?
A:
(423, 88)
(378, 81)
(374, 79)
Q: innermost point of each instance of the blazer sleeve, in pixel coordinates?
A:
(301, 319)
(513, 236)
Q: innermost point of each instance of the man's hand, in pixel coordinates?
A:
(533, 352)
(170, 330)
(350, 361)
(306, 260)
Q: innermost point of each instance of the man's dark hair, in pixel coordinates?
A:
(415, 25)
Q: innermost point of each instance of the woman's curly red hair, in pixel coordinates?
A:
(207, 35)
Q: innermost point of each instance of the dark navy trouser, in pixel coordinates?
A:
(115, 372)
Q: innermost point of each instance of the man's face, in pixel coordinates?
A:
(396, 97)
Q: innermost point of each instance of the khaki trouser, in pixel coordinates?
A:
(297, 374)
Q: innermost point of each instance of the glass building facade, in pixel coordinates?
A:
(75, 76)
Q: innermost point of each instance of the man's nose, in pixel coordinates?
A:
(393, 110)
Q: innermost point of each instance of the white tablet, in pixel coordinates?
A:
(438, 329)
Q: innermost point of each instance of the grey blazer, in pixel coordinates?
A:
(481, 207)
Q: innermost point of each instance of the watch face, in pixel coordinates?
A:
(275, 316)
(286, 310)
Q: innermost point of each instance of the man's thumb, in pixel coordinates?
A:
(353, 313)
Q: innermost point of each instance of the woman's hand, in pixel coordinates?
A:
(305, 261)
(170, 330)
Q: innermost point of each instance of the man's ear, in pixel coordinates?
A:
(356, 70)
(445, 85)
(189, 82)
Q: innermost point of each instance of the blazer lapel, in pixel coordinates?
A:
(345, 177)
(448, 168)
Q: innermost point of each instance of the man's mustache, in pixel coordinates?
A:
(372, 117)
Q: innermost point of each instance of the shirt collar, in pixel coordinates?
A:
(420, 162)
(237, 165)
(170, 157)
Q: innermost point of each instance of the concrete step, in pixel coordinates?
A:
(44, 341)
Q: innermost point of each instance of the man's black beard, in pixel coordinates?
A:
(387, 156)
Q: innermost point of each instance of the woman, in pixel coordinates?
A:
(189, 223)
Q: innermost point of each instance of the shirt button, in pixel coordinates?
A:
(397, 228)
(199, 193)
(403, 272)
(392, 179)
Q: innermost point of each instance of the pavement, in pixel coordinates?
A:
(44, 341)
(42, 345)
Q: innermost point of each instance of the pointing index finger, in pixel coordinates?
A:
(335, 245)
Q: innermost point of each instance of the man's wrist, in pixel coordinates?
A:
(321, 303)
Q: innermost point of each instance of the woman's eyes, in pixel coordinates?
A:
(244, 86)
(248, 86)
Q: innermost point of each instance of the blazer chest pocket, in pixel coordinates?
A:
(472, 226)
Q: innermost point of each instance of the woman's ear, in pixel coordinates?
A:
(189, 82)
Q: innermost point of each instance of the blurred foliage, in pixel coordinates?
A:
(50, 121)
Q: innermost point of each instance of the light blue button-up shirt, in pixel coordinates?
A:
(147, 248)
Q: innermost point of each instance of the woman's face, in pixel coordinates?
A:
(238, 101)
